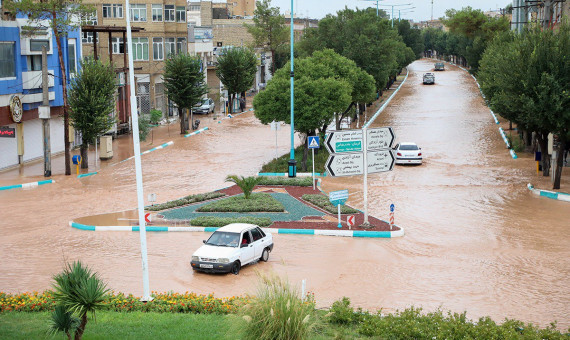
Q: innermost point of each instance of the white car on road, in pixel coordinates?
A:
(231, 247)
(408, 153)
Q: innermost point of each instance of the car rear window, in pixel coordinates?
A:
(408, 147)
(256, 234)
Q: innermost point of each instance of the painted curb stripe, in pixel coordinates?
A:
(299, 174)
(387, 101)
(196, 132)
(559, 196)
(27, 185)
(87, 174)
(343, 233)
(147, 151)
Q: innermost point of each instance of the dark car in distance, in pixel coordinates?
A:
(439, 67)
(429, 79)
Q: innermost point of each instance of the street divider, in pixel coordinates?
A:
(87, 174)
(284, 174)
(30, 185)
(342, 233)
(148, 151)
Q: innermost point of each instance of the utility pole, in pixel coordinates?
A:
(44, 113)
(431, 10)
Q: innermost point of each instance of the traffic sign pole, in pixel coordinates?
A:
(339, 225)
(313, 151)
(365, 178)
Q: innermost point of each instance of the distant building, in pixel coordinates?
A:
(430, 23)
(21, 137)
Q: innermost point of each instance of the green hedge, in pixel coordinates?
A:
(323, 202)
(259, 202)
(185, 200)
(216, 222)
(296, 181)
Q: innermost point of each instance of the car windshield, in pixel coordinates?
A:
(223, 239)
(408, 147)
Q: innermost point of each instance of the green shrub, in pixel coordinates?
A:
(341, 312)
(516, 142)
(323, 202)
(216, 222)
(260, 202)
(281, 164)
(186, 200)
(144, 127)
(295, 181)
(155, 116)
(276, 313)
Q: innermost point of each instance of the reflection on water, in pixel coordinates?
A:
(476, 239)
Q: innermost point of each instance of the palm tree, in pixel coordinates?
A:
(79, 291)
(246, 184)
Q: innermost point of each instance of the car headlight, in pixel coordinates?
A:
(224, 260)
(195, 258)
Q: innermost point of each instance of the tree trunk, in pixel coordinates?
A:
(559, 160)
(64, 90)
(305, 153)
(182, 120)
(81, 328)
(543, 143)
(510, 125)
(192, 119)
(84, 156)
(272, 62)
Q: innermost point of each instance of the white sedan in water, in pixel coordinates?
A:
(231, 247)
(408, 153)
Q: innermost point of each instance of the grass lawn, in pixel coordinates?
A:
(323, 202)
(280, 164)
(116, 325)
(258, 202)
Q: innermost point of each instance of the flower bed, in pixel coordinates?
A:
(323, 202)
(162, 303)
(185, 200)
(256, 203)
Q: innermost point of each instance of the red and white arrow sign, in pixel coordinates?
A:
(147, 217)
(350, 220)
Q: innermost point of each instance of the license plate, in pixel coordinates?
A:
(206, 265)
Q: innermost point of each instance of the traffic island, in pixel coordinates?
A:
(298, 217)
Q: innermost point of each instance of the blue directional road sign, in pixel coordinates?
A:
(338, 197)
(313, 142)
(392, 207)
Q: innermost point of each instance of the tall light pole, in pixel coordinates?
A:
(292, 162)
(137, 150)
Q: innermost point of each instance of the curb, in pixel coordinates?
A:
(230, 116)
(342, 233)
(87, 174)
(559, 196)
(387, 101)
(501, 131)
(299, 174)
(147, 151)
(196, 132)
(27, 185)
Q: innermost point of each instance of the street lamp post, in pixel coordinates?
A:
(292, 162)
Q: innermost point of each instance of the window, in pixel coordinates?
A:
(157, 49)
(169, 13)
(156, 12)
(169, 46)
(7, 59)
(138, 12)
(34, 62)
(37, 44)
(194, 8)
(118, 45)
(140, 48)
(71, 56)
(89, 20)
(256, 234)
(180, 45)
(112, 11)
(180, 14)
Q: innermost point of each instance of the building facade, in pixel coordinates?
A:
(21, 137)
(163, 32)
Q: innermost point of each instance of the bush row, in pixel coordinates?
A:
(260, 202)
(323, 202)
(217, 222)
(162, 303)
(185, 200)
(296, 181)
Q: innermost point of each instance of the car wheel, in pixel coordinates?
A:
(235, 268)
(265, 255)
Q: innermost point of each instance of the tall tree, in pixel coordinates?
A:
(269, 31)
(184, 84)
(91, 100)
(62, 17)
(236, 70)
(324, 84)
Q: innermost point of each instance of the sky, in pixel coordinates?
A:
(317, 9)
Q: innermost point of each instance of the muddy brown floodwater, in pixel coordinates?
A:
(476, 239)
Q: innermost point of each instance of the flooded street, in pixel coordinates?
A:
(476, 239)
